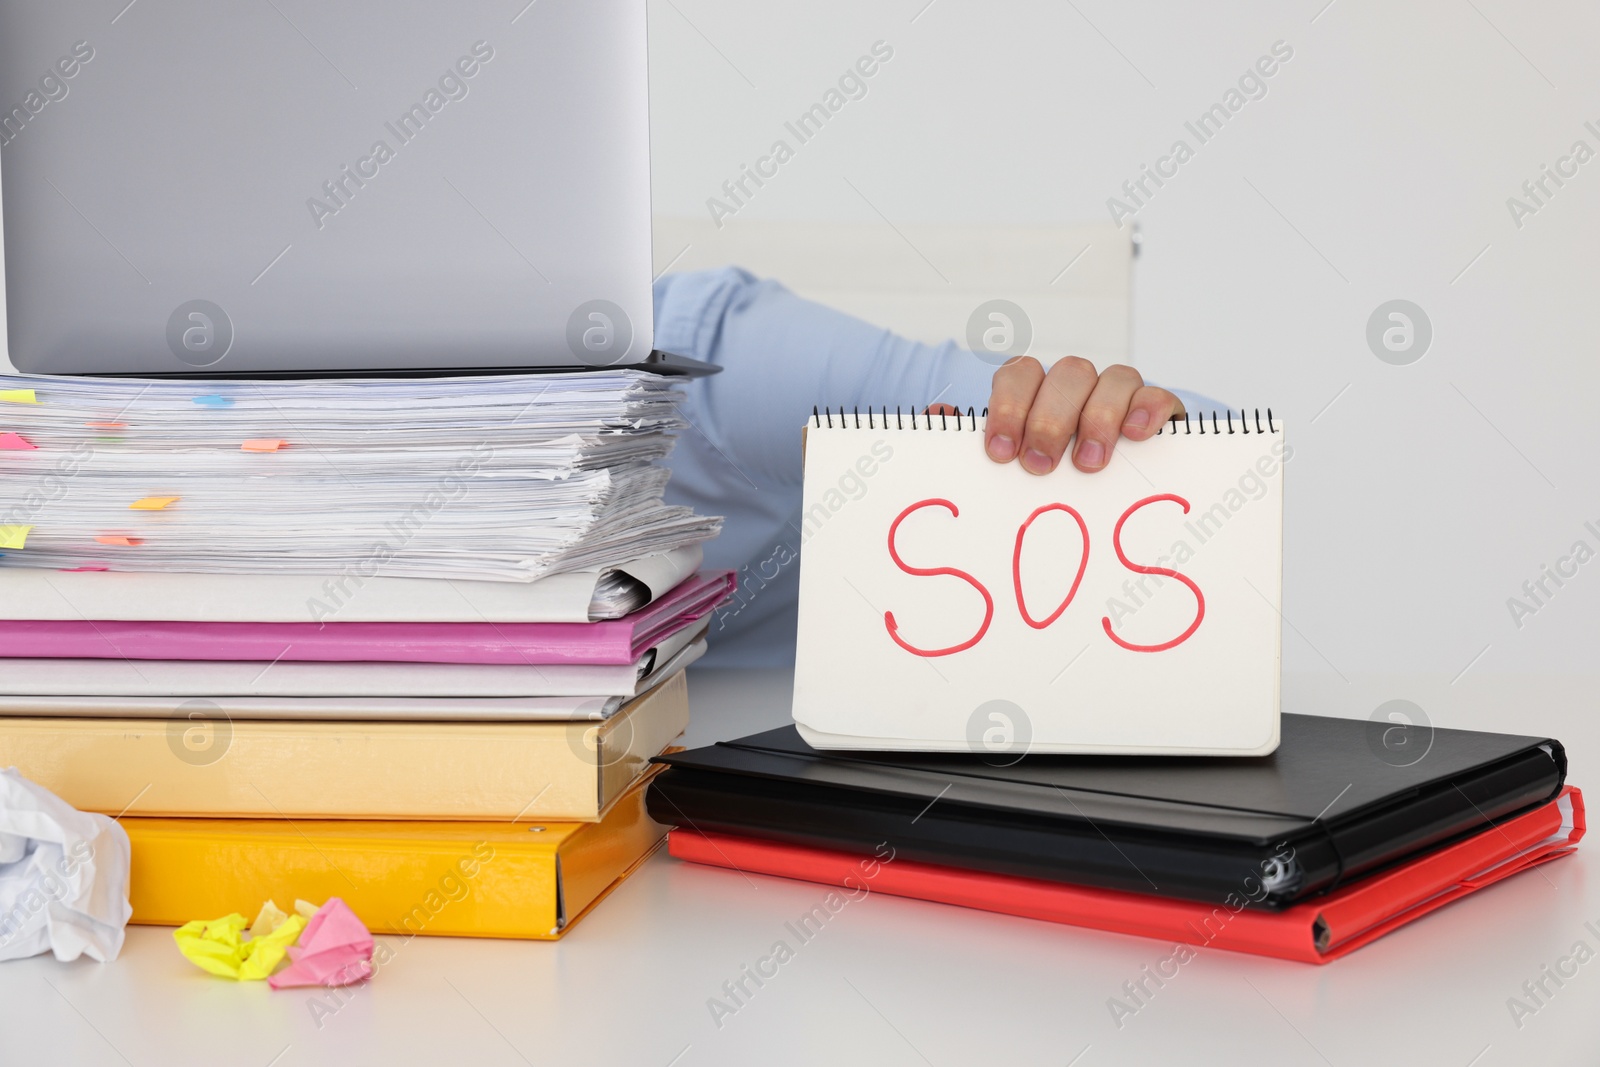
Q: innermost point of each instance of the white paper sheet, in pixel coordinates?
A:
(1063, 687)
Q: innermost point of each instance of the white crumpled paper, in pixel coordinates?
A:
(63, 876)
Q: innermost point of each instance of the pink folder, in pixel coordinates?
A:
(618, 641)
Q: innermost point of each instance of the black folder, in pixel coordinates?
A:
(1333, 803)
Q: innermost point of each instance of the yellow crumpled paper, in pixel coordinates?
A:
(220, 947)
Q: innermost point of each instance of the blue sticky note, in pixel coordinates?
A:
(213, 401)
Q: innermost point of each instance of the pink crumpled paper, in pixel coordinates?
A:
(335, 949)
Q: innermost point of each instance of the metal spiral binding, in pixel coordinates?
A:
(881, 419)
(1220, 424)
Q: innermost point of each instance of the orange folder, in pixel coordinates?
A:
(527, 878)
(1314, 931)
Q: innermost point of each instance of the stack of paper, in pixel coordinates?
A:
(396, 606)
(507, 478)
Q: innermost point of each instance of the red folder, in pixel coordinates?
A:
(1315, 931)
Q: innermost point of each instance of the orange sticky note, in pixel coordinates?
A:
(264, 444)
(14, 536)
(15, 442)
(114, 539)
(106, 425)
(154, 503)
(18, 396)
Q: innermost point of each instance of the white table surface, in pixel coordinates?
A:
(885, 982)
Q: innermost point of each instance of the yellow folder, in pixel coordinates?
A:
(346, 770)
(522, 879)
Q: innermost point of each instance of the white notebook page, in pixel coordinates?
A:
(1136, 662)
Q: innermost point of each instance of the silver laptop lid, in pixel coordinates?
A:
(280, 186)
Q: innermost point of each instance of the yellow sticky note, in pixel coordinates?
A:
(18, 396)
(14, 536)
(154, 503)
(214, 946)
(263, 954)
(220, 947)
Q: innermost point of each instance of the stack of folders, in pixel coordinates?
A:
(1350, 830)
(412, 643)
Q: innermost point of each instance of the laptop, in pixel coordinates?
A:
(291, 187)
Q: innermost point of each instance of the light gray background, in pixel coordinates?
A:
(1419, 500)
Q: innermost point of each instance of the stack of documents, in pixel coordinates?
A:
(506, 478)
(319, 633)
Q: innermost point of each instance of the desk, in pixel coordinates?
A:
(885, 982)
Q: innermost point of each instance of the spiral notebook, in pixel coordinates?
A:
(950, 603)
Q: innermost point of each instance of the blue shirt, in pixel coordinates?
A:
(740, 458)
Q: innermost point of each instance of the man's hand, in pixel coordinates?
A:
(1033, 415)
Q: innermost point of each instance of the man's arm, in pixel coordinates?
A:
(784, 354)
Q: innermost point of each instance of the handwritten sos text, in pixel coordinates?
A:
(1016, 577)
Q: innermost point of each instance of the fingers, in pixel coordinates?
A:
(1072, 404)
(1016, 384)
(1150, 407)
(1054, 417)
(1103, 415)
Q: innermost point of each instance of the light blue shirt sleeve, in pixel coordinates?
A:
(740, 458)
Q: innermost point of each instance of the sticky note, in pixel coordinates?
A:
(15, 442)
(335, 950)
(87, 568)
(263, 444)
(18, 396)
(106, 425)
(154, 503)
(268, 919)
(118, 539)
(220, 947)
(213, 401)
(14, 536)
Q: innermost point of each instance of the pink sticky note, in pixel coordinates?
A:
(335, 949)
(15, 442)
